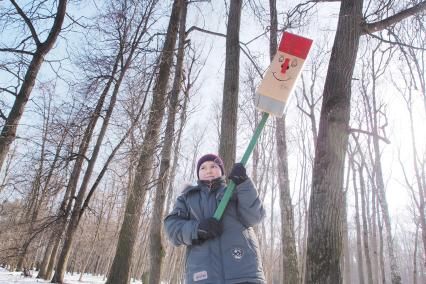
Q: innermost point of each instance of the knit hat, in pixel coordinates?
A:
(210, 157)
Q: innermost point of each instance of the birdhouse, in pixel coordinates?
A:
(281, 76)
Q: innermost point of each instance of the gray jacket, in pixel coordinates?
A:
(234, 256)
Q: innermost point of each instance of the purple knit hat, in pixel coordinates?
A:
(210, 157)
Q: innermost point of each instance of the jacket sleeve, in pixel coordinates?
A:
(249, 206)
(180, 229)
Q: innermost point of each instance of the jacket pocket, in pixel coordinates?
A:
(240, 255)
(198, 270)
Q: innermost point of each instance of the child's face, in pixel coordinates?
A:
(209, 170)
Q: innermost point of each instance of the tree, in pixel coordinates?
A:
(37, 55)
(155, 239)
(120, 268)
(130, 32)
(228, 129)
(290, 272)
(324, 237)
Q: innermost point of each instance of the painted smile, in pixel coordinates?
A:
(281, 80)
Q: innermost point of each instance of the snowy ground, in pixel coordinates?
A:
(7, 277)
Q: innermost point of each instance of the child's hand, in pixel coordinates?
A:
(238, 174)
(209, 228)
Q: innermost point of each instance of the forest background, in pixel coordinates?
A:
(114, 101)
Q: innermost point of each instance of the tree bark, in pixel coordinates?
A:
(325, 232)
(8, 132)
(156, 247)
(228, 129)
(120, 270)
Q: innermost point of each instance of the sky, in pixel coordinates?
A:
(213, 17)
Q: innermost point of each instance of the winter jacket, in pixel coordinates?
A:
(234, 256)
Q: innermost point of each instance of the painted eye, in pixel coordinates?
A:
(281, 59)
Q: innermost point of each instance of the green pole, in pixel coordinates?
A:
(231, 186)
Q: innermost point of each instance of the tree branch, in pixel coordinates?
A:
(2, 116)
(396, 42)
(195, 28)
(384, 139)
(369, 28)
(8, 91)
(28, 22)
(17, 51)
(57, 25)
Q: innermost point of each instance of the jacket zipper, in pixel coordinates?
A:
(220, 244)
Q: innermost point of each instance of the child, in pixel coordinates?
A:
(218, 252)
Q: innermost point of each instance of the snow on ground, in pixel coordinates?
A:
(7, 277)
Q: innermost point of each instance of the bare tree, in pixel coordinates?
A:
(120, 269)
(413, 91)
(290, 272)
(228, 130)
(37, 53)
(156, 247)
(324, 238)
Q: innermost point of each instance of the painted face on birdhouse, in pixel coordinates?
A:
(282, 67)
(281, 76)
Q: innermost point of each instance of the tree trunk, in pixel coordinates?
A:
(55, 238)
(288, 242)
(78, 205)
(46, 258)
(120, 270)
(228, 130)
(381, 250)
(8, 132)
(72, 183)
(415, 256)
(156, 247)
(359, 261)
(365, 233)
(374, 245)
(346, 251)
(52, 260)
(176, 151)
(38, 193)
(395, 274)
(325, 232)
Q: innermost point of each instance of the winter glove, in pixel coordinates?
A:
(209, 228)
(238, 174)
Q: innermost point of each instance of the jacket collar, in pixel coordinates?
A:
(213, 185)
